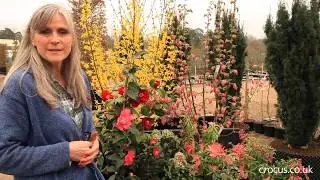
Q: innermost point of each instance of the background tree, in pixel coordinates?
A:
(7, 33)
(3, 58)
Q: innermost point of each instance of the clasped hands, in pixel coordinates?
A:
(84, 152)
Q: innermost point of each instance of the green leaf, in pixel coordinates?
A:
(134, 130)
(119, 163)
(113, 177)
(110, 169)
(162, 92)
(145, 110)
(159, 112)
(133, 90)
(114, 157)
(152, 82)
(135, 112)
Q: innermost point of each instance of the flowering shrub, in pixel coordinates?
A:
(133, 107)
(129, 111)
(210, 160)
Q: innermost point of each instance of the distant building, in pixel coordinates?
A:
(9, 45)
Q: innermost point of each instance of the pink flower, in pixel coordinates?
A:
(239, 150)
(156, 152)
(228, 123)
(189, 147)
(197, 162)
(223, 110)
(125, 119)
(223, 95)
(235, 87)
(243, 174)
(242, 134)
(234, 98)
(153, 141)
(223, 67)
(295, 178)
(235, 72)
(223, 82)
(216, 150)
(129, 158)
(228, 159)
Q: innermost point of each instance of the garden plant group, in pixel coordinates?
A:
(149, 123)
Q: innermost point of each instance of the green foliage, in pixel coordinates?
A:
(211, 134)
(292, 61)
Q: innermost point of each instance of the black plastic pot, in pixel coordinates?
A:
(258, 127)
(268, 130)
(250, 123)
(206, 119)
(229, 137)
(279, 133)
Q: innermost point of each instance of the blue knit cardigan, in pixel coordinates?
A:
(34, 139)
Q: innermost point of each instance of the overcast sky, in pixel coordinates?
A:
(252, 13)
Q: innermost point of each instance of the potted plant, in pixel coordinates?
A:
(268, 129)
(258, 127)
(250, 123)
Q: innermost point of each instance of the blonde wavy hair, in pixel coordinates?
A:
(27, 58)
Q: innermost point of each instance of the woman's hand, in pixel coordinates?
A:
(78, 149)
(93, 152)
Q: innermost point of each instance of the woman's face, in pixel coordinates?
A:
(54, 41)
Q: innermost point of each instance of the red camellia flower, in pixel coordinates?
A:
(106, 95)
(146, 123)
(153, 141)
(143, 96)
(156, 84)
(124, 121)
(129, 158)
(121, 90)
(156, 152)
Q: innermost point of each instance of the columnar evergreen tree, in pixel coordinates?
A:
(292, 61)
(277, 51)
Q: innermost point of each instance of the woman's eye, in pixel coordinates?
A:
(63, 31)
(44, 31)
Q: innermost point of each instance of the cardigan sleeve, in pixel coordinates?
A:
(16, 157)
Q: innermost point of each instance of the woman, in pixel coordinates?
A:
(46, 121)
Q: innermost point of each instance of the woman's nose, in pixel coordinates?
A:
(55, 38)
